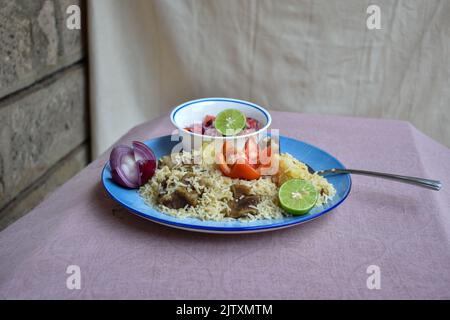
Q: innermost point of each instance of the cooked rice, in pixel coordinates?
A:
(215, 189)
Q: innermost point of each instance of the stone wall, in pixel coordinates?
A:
(44, 124)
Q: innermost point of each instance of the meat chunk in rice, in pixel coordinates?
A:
(240, 190)
(243, 202)
(178, 199)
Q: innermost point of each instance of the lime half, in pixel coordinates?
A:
(297, 196)
(230, 122)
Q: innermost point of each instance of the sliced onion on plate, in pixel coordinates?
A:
(142, 152)
(132, 167)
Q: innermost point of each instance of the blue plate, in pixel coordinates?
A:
(315, 157)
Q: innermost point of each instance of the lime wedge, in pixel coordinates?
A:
(297, 196)
(230, 122)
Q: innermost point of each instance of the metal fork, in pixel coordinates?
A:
(420, 182)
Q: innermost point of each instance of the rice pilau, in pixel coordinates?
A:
(215, 193)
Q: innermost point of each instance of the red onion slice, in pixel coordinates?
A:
(147, 169)
(142, 152)
(132, 167)
(117, 153)
(124, 169)
(253, 124)
(208, 121)
(120, 178)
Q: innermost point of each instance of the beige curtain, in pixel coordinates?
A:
(315, 56)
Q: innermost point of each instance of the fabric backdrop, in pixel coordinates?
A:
(314, 56)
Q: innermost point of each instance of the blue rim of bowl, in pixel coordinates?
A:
(247, 103)
(233, 229)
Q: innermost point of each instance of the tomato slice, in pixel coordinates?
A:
(232, 155)
(252, 152)
(223, 166)
(228, 149)
(269, 163)
(265, 157)
(244, 171)
(249, 164)
(238, 168)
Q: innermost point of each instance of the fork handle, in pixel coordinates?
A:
(425, 183)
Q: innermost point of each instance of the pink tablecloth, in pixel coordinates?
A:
(404, 230)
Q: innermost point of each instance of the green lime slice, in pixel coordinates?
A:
(230, 122)
(297, 196)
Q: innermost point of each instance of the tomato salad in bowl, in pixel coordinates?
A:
(208, 128)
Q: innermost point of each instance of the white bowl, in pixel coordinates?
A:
(188, 113)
